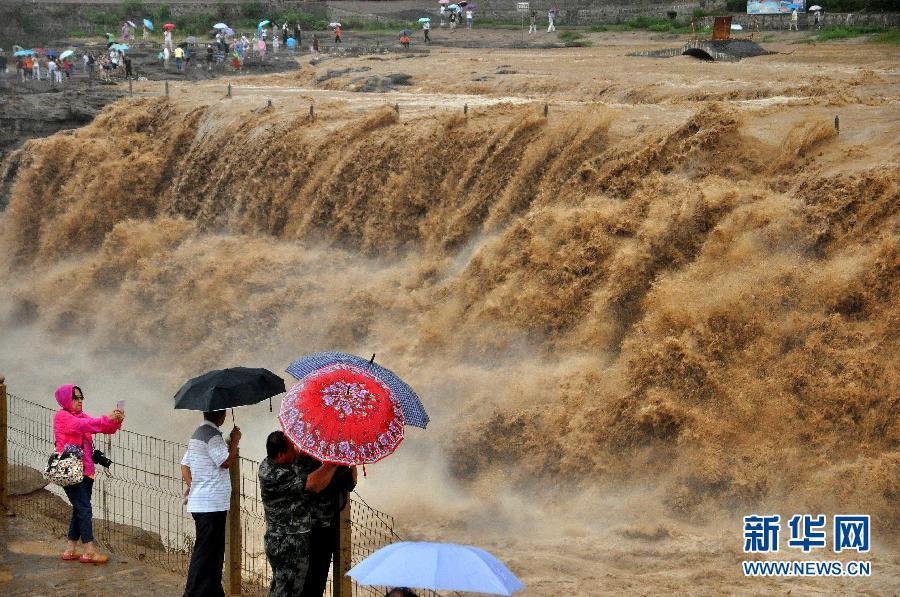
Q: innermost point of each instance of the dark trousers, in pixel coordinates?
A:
(204, 578)
(323, 543)
(82, 525)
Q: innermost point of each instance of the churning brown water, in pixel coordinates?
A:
(667, 315)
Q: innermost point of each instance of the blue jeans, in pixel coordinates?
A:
(82, 525)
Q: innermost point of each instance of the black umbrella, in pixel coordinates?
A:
(227, 388)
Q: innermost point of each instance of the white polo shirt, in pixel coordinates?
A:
(210, 483)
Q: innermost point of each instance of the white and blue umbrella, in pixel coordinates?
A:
(413, 411)
(438, 567)
(220, 26)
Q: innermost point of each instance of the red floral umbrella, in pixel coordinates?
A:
(343, 414)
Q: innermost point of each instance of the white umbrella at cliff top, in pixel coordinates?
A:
(736, 27)
(815, 8)
(131, 24)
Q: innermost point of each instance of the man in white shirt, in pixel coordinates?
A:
(205, 471)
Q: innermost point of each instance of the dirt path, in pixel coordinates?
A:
(30, 564)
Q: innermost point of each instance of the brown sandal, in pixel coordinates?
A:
(70, 555)
(94, 558)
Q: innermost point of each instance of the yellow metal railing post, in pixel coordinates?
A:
(341, 584)
(4, 454)
(233, 544)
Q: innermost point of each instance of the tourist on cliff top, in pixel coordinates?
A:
(74, 428)
(551, 18)
(337, 34)
(426, 27)
(469, 16)
(533, 27)
(204, 469)
(287, 489)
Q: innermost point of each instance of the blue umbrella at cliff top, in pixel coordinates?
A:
(148, 24)
(438, 567)
(263, 24)
(25, 53)
(66, 54)
(413, 411)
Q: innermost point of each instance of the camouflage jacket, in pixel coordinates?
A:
(284, 496)
(325, 505)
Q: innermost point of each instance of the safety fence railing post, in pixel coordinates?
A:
(4, 464)
(341, 585)
(233, 546)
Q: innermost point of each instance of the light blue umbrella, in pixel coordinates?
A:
(263, 24)
(119, 47)
(25, 53)
(220, 26)
(424, 20)
(453, 7)
(438, 567)
(148, 24)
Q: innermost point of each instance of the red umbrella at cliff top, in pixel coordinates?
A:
(168, 26)
(344, 414)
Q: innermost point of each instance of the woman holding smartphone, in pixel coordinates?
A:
(73, 427)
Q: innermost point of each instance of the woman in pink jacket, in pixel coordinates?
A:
(73, 426)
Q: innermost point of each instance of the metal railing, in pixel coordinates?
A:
(138, 502)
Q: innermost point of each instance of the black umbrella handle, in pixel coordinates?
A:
(372, 360)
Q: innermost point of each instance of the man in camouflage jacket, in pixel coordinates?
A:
(286, 489)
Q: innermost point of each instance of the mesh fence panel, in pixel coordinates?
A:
(139, 502)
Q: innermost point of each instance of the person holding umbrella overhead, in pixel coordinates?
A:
(287, 489)
(204, 468)
(205, 463)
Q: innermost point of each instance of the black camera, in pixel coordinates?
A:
(101, 459)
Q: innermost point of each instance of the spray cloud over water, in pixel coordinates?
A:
(669, 308)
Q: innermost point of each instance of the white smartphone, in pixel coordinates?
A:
(120, 405)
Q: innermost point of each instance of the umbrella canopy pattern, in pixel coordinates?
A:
(228, 388)
(436, 566)
(148, 24)
(342, 414)
(413, 412)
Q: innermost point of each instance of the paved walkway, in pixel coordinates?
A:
(30, 564)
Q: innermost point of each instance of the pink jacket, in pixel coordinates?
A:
(70, 428)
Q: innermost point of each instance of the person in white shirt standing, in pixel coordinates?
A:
(205, 471)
